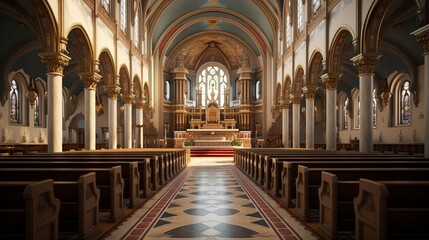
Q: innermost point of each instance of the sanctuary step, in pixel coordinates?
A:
(211, 152)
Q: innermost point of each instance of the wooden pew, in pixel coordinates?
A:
(309, 181)
(130, 173)
(392, 210)
(109, 181)
(285, 171)
(79, 213)
(29, 210)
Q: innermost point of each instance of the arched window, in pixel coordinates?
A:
(258, 90)
(106, 5)
(213, 80)
(136, 30)
(374, 109)
(288, 32)
(124, 15)
(167, 90)
(315, 6)
(346, 113)
(37, 112)
(300, 16)
(405, 104)
(14, 102)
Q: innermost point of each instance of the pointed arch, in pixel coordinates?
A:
(278, 96)
(286, 87)
(146, 93)
(138, 91)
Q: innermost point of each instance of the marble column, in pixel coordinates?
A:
(112, 94)
(365, 64)
(90, 81)
(179, 75)
(139, 123)
(309, 92)
(128, 128)
(55, 63)
(296, 122)
(245, 74)
(422, 35)
(331, 80)
(285, 123)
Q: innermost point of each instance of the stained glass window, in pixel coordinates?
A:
(106, 5)
(300, 16)
(213, 80)
(374, 109)
(288, 32)
(346, 113)
(258, 90)
(123, 15)
(167, 90)
(136, 30)
(14, 102)
(36, 112)
(405, 103)
(316, 5)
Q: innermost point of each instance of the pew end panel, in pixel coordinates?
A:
(89, 197)
(328, 192)
(370, 201)
(287, 185)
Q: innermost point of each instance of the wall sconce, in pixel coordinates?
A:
(31, 93)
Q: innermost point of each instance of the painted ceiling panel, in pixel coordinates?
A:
(221, 26)
(179, 8)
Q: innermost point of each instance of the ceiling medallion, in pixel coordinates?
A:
(212, 23)
(212, 1)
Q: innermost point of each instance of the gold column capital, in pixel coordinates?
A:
(140, 103)
(112, 91)
(55, 61)
(309, 91)
(330, 80)
(422, 36)
(365, 62)
(284, 104)
(295, 98)
(128, 98)
(90, 80)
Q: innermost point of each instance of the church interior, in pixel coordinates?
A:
(214, 119)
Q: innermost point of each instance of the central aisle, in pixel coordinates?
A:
(211, 199)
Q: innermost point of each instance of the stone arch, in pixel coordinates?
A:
(47, 27)
(372, 26)
(138, 91)
(107, 68)
(80, 49)
(286, 87)
(298, 82)
(278, 96)
(146, 93)
(316, 66)
(124, 80)
(335, 61)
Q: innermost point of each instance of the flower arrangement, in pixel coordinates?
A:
(189, 143)
(236, 143)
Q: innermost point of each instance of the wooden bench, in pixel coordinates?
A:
(29, 210)
(109, 181)
(285, 171)
(309, 181)
(130, 173)
(392, 210)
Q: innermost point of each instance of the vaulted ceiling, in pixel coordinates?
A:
(223, 30)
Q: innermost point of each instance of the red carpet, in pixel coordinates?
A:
(212, 152)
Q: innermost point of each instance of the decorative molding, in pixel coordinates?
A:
(140, 103)
(331, 80)
(309, 91)
(422, 36)
(365, 63)
(295, 98)
(112, 91)
(90, 80)
(55, 61)
(128, 98)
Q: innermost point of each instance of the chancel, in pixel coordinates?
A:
(214, 119)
